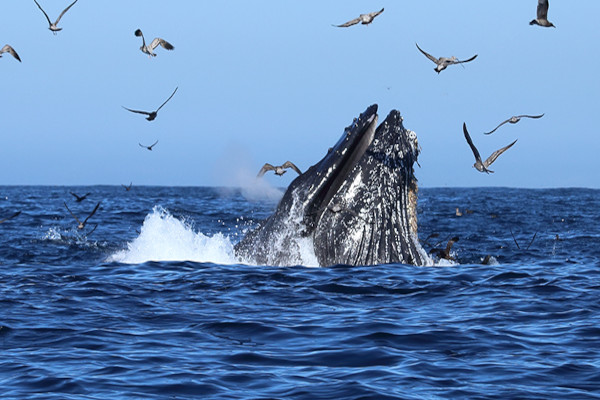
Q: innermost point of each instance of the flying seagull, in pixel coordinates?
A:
(79, 199)
(127, 188)
(152, 115)
(364, 19)
(53, 26)
(443, 62)
(279, 169)
(513, 120)
(81, 225)
(8, 49)
(148, 147)
(11, 217)
(479, 165)
(153, 45)
(542, 15)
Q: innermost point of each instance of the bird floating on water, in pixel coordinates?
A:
(78, 198)
(364, 19)
(148, 147)
(279, 169)
(513, 120)
(8, 49)
(153, 45)
(482, 166)
(542, 15)
(152, 115)
(53, 25)
(81, 225)
(9, 218)
(443, 62)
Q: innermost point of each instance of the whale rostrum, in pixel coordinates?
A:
(357, 206)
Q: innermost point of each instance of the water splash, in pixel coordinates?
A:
(165, 238)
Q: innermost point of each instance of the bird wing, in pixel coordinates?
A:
(8, 49)
(71, 212)
(153, 144)
(473, 148)
(465, 61)
(289, 164)
(172, 94)
(64, 11)
(496, 154)
(77, 197)
(138, 32)
(530, 116)
(449, 245)
(542, 9)
(136, 111)
(264, 169)
(11, 217)
(349, 23)
(375, 13)
(494, 130)
(50, 22)
(162, 42)
(432, 58)
(92, 213)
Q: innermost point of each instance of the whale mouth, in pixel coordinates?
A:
(333, 169)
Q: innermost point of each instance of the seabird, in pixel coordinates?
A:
(8, 49)
(479, 165)
(11, 217)
(445, 253)
(79, 199)
(153, 45)
(443, 62)
(148, 147)
(542, 15)
(513, 120)
(364, 19)
(152, 115)
(53, 26)
(127, 188)
(458, 213)
(279, 169)
(81, 225)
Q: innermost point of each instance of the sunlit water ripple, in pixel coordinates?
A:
(154, 305)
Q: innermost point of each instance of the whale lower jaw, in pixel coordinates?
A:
(356, 206)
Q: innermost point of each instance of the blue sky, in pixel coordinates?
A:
(274, 81)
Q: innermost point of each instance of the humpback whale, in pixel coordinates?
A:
(356, 206)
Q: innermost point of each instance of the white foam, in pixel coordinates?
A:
(165, 238)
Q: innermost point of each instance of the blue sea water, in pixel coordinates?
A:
(153, 304)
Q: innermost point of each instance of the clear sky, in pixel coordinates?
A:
(270, 81)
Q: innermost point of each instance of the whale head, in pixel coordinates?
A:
(357, 205)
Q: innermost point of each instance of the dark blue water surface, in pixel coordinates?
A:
(80, 320)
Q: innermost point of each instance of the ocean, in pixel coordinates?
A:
(150, 302)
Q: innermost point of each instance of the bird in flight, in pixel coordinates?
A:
(148, 147)
(443, 62)
(11, 217)
(53, 25)
(279, 169)
(152, 115)
(513, 120)
(127, 188)
(153, 45)
(8, 49)
(542, 15)
(81, 225)
(482, 166)
(364, 19)
(79, 199)
(445, 253)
